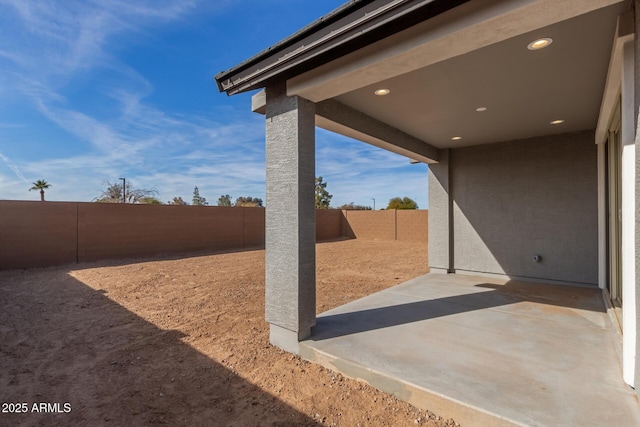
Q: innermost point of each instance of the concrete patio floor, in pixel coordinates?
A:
(483, 351)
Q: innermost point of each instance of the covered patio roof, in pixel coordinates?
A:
(454, 70)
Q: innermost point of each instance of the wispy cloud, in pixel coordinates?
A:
(63, 61)
(152, 149)
(358, 172)
(8, 163)
(46, 45)
(49, 44)
(72, 34)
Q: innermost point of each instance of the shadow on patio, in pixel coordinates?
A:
(489, 352)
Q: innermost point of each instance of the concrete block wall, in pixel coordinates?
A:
(403, 225)
(122, 231)
(328, 224)
(34, 234)
(37, 234)
(253, 229)
(370, 225)
(40, 234)
(412, 226)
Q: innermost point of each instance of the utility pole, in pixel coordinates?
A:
(124, 190)
(374, 204)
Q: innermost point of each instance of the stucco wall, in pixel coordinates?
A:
(518, 199)
(439, 214)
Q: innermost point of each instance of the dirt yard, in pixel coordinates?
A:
(184, 342)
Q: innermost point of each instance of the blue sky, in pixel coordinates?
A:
(94, 90)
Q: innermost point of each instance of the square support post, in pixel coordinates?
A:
(290, 304)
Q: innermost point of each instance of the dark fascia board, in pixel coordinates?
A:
(345, 30)
(296, 37)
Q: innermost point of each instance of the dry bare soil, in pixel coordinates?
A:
(184, 342)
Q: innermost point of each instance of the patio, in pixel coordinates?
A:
(487, 351)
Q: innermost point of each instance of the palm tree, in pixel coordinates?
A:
(40, 184)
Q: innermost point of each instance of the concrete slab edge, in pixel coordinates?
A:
(615, 325)
(420, 397)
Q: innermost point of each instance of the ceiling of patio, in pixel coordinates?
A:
(522, 90)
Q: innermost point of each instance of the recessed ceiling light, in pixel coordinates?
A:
(556, 122)
(481, 109)
(456, 138)
(540, 43)
(382, 92)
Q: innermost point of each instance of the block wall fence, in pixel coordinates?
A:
(40, 234)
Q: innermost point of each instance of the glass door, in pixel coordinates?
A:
(614, 223)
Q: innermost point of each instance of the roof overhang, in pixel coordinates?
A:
(461, 30)
(347, 29)
(444, 59)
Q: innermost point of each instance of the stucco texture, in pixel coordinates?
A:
(518, 199)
